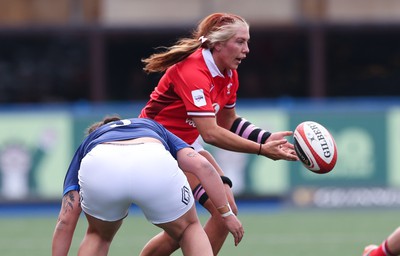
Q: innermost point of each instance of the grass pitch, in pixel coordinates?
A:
(283, 232)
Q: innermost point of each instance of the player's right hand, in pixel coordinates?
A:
(235, 227)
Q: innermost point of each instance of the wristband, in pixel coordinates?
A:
(259, 150)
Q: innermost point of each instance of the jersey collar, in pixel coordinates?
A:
(212, 67)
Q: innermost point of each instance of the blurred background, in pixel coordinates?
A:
(67, 63)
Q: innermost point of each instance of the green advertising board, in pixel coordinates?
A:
(35, 150)
(393, 152)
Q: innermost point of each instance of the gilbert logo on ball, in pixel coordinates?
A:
(315, 147)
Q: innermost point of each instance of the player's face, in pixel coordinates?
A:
(231, 53)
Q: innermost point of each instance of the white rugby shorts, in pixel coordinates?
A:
(112, 177)
(197, 144)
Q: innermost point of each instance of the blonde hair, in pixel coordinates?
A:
(217, 27)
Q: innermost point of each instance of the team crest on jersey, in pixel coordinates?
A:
(216, 107)
(228, 88)
(198, 98)
(212, 87)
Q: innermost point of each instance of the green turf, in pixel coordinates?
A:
(280, 233)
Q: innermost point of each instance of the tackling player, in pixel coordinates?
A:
(114, 167)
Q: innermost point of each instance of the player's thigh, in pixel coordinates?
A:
(176, 228)
(103, 229)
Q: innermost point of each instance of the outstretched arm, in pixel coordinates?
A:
(219, 135)
(66, 223)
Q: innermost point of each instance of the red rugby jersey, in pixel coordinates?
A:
(192, 87)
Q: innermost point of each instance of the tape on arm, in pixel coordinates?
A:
(225, 210)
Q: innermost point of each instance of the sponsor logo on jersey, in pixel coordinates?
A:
(198, 98)
(190, 122)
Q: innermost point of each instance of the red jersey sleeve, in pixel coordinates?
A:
(192, 82)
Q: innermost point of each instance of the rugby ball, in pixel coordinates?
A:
(315, 147)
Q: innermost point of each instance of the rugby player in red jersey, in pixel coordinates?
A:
(196, 97)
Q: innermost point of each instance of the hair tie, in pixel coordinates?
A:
(202, 39)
